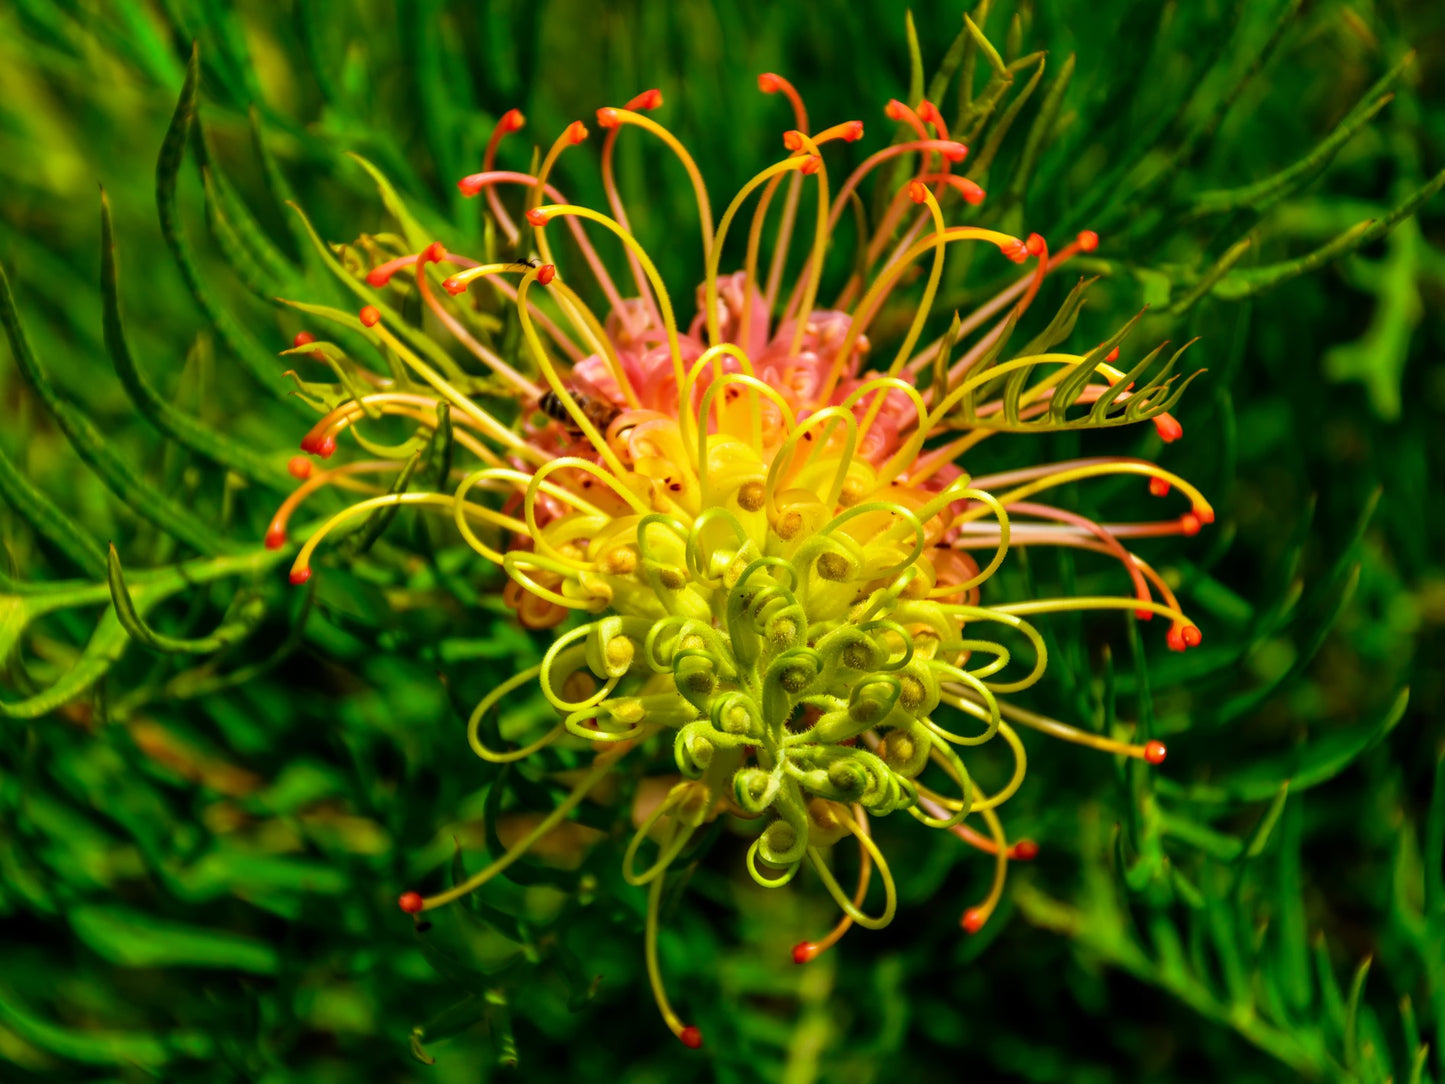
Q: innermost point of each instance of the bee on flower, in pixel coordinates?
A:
(757, 532)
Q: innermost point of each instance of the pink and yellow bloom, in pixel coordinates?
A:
(761, 544)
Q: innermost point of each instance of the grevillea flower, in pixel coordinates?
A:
(762, 547)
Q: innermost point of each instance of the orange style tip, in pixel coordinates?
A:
(928, 112)
(895, 110)
(1158, 487)
(1174, 639)
(468, 187)
(853, 131)
(370, 317)
(1169, 429)
(325, 446)
(1204, 512)
(1144, 615)
(648, 99)
(768, 83)
(1025, 850)
(377, 278)
(453, 287)
(539, 217)
(691, 1037)
(577, 131)
(300, 575)
(1155, 752)
(302, 338)
(955, 152)
(411, 902)
(435, 252)
(607, 117)
(812, 165)
(1190, 524)
(1035, 244)
(546, 273)
(299, 467)
(804, 951)
(275, 538)
(917, 191)
(1113, 355)
(512, 120)
(1015, 251)
(1191, 636)
(972, 194)
(1087, 240)
(973, 919)
(793, 139)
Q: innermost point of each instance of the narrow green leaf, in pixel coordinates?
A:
(377, 522)
(1207, 281)
(1352, 1015)
(248, 614)
(164, 414)
(253, 357)
(47, 520)
(915, 60)
(91, 445)
(92, 1046)
(1040, 132)
(985, 47)
(135, 938)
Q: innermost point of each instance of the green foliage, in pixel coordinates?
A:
(213, 784)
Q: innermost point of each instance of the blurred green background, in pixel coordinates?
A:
(200, 854)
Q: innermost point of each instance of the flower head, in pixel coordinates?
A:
(768, 542)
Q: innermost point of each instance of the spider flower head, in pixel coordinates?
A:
(777, 558)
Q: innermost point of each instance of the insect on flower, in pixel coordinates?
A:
(763, 549)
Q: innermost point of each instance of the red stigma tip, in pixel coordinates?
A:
(1015, 250)
(812, 165)
(607, 117)
(1191, 635)
(546, 273)
(411, 902)
(453, 287)
(1088, 240)
(302, 338)
(853, 131)
(512, 120)
(804, 951)
(275, 538)
(917, 191)
(648, 99)
(369, 316)
(691, 1037)
(538, 217)
(1159, 487)
(299, 467)
(1025, 850)
(309, 443)
(793, 139)
(468, 187)
(954, 151)
(1112, 356)
(435, 252)
(1169, 429)
(972, 194)
(973, 919)
(1035, 244)
(1205, 513)
(768, 83)
(1189, 524)
(300, 575)
(325, 446)
(577, 131)
(928, 112)
(378, 277)
(895, 110)
(1155, 752)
